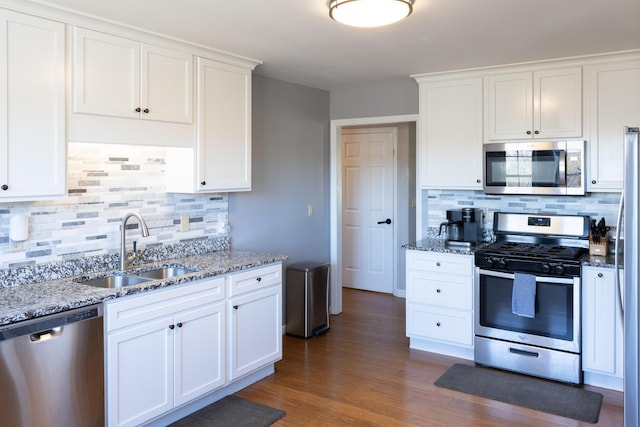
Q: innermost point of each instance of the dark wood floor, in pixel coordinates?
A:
(362, 373)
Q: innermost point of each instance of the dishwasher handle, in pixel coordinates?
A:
(38, 328)
(46, 334)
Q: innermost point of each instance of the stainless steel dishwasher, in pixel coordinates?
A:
(52, 370)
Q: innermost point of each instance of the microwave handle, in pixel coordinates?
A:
(562, 166)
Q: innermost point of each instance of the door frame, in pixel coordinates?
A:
(335, 202)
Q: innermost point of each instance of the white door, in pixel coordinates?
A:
(367, 208)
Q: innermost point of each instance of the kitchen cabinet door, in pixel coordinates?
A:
(450, 134)
(534, 105)
(32, 108)
(199, 352)
(255, 330)
(140, 373)
(602, 334)
(115, 76)
(611, 103)
(221, 158)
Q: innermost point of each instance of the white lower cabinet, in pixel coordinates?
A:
(164, 349)
(602, 333)
(440, 302)
(255, 319)
(169, 347)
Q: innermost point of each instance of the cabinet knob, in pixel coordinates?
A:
(438, 263)
(138, 110)
(179, 324)
(235, 307)
(438, 324)
(203, 182)
(259, 279)
(536, 132)
(172, 327)
(593, 181)
(438, 291)
(478, 181)
(146, 110)
(528, 132)
(5, 187)
(599, 274)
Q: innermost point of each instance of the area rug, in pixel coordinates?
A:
(534, 393)
(232, 411)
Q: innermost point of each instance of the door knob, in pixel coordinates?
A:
(387, 221)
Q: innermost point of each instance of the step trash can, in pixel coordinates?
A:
(307, 299)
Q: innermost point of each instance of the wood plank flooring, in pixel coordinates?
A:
(362, 373)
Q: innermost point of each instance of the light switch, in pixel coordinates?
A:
(184, 223)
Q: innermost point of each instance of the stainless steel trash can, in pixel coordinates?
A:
(307, 299)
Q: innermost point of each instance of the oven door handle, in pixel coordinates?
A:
(511, 276)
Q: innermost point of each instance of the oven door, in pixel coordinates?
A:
(556, 324)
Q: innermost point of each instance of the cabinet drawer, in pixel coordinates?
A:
(445, 291)
(440, 263)
(257, 278)
(151, 305)
(452, 326)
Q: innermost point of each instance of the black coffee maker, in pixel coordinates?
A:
(464, 227)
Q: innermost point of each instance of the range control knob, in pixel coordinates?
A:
(546, 268)
(559, 269)
(502, 263)
(489, 261)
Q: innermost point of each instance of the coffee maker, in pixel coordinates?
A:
(464, 227)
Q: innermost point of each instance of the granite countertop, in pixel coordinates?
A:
(31, 300)
(438, 245)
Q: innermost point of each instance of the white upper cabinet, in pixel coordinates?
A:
(612, 101)
(221, 158)
(450, 134)
(534, 105)
(32, 108)
(115, 76)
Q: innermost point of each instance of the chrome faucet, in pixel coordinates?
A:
(123, 228)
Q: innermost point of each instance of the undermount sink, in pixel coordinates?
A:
(165, 272)
(114, 281)
(120, 280)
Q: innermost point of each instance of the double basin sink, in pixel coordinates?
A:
(120, 280)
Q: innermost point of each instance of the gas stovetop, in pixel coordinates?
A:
(549, 245)
(534, 251)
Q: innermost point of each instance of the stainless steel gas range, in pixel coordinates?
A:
(527, 295)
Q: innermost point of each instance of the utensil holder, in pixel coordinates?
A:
(601, 248)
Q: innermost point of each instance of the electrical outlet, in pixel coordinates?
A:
(310, 210)
(184, 223)
(16, 246)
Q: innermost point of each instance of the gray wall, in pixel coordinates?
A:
(389, 98)
(290, 170)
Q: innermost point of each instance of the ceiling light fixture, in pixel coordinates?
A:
(369, 13)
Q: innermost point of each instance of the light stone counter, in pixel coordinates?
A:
(30, 292)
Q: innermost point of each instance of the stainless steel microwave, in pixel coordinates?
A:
(537, 167)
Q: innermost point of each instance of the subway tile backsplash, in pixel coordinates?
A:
(436, 203)
(105, 182)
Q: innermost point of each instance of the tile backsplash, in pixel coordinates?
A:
(436, 203)
(105, 182)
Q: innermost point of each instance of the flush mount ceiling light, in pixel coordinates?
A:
(369, 13)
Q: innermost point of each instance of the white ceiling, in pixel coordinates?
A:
(299, 43)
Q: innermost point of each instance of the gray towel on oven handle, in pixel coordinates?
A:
(523, 298)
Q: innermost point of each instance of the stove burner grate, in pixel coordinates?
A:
(534, 251)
